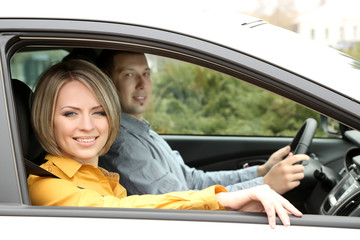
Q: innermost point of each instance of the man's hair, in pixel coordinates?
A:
(87, 54)
(105, 60)
(46, 93)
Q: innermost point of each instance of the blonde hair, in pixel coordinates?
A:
(46, 92)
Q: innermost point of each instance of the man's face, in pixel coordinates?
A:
(132, 78)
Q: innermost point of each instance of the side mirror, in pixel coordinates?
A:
(330, 126)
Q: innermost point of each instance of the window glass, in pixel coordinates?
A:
(189, 99)
(28, 65)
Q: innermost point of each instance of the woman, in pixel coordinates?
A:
(75, 115)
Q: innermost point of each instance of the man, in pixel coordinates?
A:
(145, 161)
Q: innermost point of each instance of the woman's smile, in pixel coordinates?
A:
(86, 140)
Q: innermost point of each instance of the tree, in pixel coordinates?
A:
(354, 51)
(188, 99)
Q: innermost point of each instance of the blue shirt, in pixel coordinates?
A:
(147, 164)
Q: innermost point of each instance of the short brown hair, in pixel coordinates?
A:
(105, 60)
(46, 93)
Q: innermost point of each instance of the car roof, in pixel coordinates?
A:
(231, 29)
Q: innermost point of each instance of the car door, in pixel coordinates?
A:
(38, 34)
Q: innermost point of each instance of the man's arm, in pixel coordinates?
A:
(233, 180)
(153, 167)
(139, 172)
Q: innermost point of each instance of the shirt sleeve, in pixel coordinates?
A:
(247, 184)
(233, 180)
(139, 172)
(47, 191)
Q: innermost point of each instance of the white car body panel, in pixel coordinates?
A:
(97, 228)
(223, 27)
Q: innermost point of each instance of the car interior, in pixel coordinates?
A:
(329, 187)
(31, 148)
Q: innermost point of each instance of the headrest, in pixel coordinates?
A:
(32, 149)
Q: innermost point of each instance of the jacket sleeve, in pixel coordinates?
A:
(47, 191)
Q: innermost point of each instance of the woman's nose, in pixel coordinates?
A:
(86, 123)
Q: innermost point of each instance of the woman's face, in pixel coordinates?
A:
(80, 123)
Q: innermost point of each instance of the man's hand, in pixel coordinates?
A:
(286, 174)
(275, 158)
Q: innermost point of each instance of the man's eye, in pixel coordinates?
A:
(129, 75)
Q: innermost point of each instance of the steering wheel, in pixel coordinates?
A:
(300, 145)
(303, 138)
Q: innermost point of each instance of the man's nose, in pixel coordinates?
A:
(140, 81)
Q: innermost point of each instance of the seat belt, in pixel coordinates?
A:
(34, 169)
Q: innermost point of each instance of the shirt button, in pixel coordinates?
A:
(49, 169)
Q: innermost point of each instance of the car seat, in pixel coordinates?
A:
(32, 151)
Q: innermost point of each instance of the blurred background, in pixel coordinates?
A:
(332, 22)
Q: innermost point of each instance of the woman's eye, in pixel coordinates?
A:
(100, 113)
(69, 114)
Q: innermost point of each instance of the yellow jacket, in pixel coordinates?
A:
(87, 186)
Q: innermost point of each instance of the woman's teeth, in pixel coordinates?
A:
(85, 139)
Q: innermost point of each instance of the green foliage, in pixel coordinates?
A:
(188, 99)
(353, 51)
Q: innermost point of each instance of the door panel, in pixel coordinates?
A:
(225, 153)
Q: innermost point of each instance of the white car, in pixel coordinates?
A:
(300, 80)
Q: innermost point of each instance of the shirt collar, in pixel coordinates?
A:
(70, 167)
(66, 165)
(134, 125)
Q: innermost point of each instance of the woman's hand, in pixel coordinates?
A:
(259, 199)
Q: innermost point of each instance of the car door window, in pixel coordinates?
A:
(28, 65)
(190, 99)
(194, 100)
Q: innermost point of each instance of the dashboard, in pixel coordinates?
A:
(344, 198)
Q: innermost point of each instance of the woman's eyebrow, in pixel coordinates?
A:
(77, 108)
(72, 107)
(99, 106)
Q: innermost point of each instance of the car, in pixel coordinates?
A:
(310, 88)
